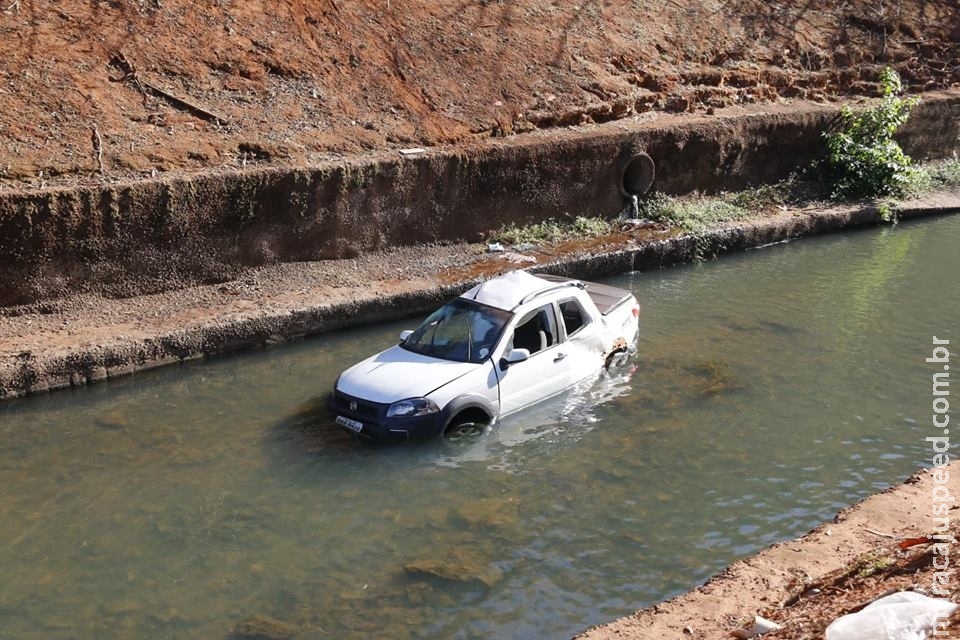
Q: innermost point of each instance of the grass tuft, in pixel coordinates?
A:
(695, 215)
(553, 231)
(943, 175)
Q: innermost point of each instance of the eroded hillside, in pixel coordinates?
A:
(97, 89)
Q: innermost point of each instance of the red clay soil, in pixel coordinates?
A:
(109, 89)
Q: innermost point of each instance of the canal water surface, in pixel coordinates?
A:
(771, 389)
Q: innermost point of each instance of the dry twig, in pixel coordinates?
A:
(180, 103)
(98, 148)
(130, 74)
(15, 5)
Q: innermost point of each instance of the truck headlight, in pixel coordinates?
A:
(411, 408)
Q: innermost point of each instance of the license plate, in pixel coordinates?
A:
(353, 425)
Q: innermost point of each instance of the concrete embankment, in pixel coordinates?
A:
(144, 237)
(90, 339)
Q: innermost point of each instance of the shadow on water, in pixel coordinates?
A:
(309, 437)
(309, 430)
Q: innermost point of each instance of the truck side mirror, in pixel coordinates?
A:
(405, 334)
(515, 356)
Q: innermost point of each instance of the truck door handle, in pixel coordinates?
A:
(560, 356)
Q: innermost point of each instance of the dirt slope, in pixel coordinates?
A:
(132, 87)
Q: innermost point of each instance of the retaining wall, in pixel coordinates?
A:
(152, 235)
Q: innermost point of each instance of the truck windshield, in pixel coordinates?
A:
(462, 330)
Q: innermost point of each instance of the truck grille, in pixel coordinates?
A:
(365, 410)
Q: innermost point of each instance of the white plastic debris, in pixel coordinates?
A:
(639, 223)
(518, 258)
(902, 616)
(760, 627)
(495, 247)
(412, 152)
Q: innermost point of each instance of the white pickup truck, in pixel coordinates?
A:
(502, 346)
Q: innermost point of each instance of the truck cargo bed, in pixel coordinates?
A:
(606, 298)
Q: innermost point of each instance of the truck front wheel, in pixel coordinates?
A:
(466, 426)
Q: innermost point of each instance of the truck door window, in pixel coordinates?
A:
(573, 316)
(536, 331)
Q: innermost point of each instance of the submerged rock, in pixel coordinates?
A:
(487, 512)
(111, 421)
(459, 565)
(678, 382)
(266, 628)
(710, 377)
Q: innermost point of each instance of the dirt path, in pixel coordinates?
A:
(762, 583)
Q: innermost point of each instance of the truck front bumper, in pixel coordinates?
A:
(369, 420)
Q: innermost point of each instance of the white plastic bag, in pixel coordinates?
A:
(902, 616)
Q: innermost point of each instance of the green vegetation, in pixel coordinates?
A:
(924, 179)
(698, 214)
(863, 159)
(695, 214)
(939, 175)
(554, 230)
(872, 563)
(887, 212)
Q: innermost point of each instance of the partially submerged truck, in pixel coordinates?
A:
(502, 346)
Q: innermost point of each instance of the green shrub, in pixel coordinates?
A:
(863, 159)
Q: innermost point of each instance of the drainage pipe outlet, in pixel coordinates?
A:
(636, 174)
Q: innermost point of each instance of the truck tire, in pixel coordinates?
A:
(466, 427)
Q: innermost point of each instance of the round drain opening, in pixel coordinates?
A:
(637, 175)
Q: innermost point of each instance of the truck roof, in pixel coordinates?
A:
(516, 287)
(507, 291)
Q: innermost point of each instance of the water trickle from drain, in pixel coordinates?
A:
(632, 210)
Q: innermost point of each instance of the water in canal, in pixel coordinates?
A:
(772, 388)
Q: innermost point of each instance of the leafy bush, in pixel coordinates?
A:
(863, 159)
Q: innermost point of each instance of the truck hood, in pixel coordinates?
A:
(398, 374)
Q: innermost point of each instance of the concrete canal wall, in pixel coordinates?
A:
(154, 235)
